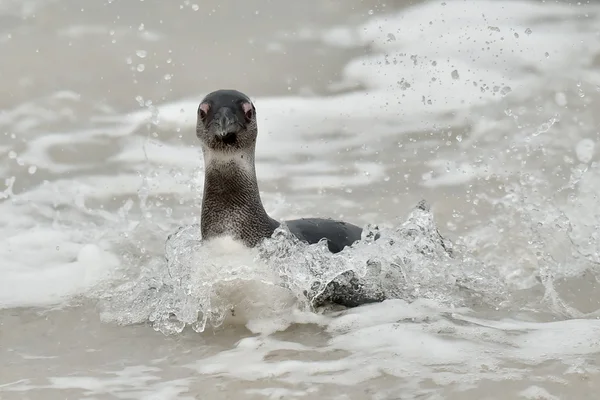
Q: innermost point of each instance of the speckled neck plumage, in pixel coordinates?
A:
(231, 203)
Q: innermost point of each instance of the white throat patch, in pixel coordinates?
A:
(241, 159)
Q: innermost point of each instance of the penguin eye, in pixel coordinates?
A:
(248, 111)
(202, 111)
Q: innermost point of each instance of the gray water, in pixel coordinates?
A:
(486, 109)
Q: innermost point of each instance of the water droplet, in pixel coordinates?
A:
(348, 190)
(547, 54)
(129, 60)
(386, 179)
(57, 248)
(528, 31)
(403, 84)
(32, 169)
(545, 127)
(195, 7)
(168, 77)
(370, 12)
(391, 37)
(505, 90)
(516, 35)
(141, 53)
(141, 67)
(459, 138)
(12, 155)
(455, 74)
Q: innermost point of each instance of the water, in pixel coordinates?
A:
(487, 109)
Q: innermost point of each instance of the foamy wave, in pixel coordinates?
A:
(467, 47)
(418, 344)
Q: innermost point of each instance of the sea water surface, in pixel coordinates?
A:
(488, 110)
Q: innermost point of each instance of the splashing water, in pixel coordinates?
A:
(207, 283)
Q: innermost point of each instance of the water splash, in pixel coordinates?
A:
(201, 284)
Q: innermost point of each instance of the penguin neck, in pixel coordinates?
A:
(231, 203)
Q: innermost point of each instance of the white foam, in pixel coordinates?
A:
(537, 393)
(34, 277)
(139, 381)
(249, 298)
(412, 342)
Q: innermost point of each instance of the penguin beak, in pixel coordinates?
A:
(226, 122)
